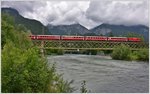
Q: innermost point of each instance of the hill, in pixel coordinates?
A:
(33, 25)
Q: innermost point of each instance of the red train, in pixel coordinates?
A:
(85, 38)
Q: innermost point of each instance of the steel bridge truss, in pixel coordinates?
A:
(87, 45)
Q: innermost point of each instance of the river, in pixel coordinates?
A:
(102, 74)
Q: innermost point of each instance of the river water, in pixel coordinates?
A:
(102, 74)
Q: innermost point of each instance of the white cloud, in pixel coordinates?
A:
(87, 13)
(119, 12)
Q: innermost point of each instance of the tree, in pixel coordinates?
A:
(23, 68)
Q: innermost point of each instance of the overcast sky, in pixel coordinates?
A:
(87, 13)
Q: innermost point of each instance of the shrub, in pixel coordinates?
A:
(23, 68)
(54, 51)
(106, 52)
(59, 52)
(143, 54)
(83, 88)
(121, 52)
(133, 56)
(25, 71)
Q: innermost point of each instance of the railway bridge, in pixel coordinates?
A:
(86, 45)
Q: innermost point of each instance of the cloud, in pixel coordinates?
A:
(119, 12)
(87, 13)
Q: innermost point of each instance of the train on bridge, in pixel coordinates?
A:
(84, 38)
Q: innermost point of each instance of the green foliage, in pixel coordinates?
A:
(50, 51)
(142, 54)
(54, 51)
(133, 55)
(23, 71)
(107, 52)
(59, 52)
(10, 32)
(83, 87)
(121, 52)
(23, 68)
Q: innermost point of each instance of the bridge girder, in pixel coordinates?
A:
(87, 45)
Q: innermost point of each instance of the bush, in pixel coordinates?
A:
(133, 56)
(142, 54)
(106, 52)
(121, 52)
(60, 52)
(83, 88)
(54, 51)
(23, 71)
(23, 68)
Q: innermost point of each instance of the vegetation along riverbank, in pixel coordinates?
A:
(23, 68)
(123, 52)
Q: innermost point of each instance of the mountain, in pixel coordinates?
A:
(74, 29)
(33, 25)
(121, 30)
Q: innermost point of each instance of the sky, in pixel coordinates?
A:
(87, 13)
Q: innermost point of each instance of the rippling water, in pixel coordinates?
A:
(102, 74)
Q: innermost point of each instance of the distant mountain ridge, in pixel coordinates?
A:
(77, 29)
(74, 29)
(121, 30)
(33, 25)
(103, 29)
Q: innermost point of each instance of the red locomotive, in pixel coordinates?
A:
(84, 38)
(134, 39)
